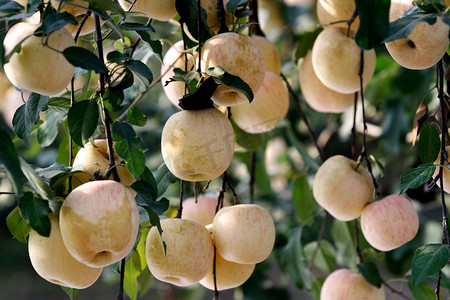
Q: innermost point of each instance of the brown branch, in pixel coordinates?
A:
(255, 28)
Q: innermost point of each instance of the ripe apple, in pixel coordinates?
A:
(88, 27)
(155, 9)
(10, 102)
(93, 159)
(4, 84)
(336, 60)
(271, 56)
(99, 222)
(239, 55)
(197, 145)
(204, 210)
(52, 261)
(390, 222)
(212, 19)
(174, 56)
(337, 10)
(189, 252)
(344, 284)
(343, 188)
(37, 68)
(74, 7)
(424, 46)
(244, 233)
(268, 108)
(319, 96)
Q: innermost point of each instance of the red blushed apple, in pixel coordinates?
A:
(390, 222)
(203, 211)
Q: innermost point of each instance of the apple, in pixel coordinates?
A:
(212, 19)
(319, 96)
(271, 16)
(197, 145)
(204, 210)
(189, 252)
(336, 61)
(99, 222)
(52, 261)
(26, 69)
(238, 55)
(271, 56)
(155, 9)
(74, 7)
(244, 233)
(88, 27)
(343, 188)
(337, 10)
(390, 222)
(268, 108)
(174, 58)
(424, 46)
(10, 102)
(298, 2)
(344, 284)
(4, 84)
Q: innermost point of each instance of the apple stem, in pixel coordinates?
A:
(180, 207)
(255, 28)
(355, 108)
(216, 291)
(235, 196)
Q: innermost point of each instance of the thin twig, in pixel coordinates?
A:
(357, 248)
(180, 206)
(252, 177)
(355, 107)
(122, 277)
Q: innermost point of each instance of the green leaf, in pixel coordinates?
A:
(164, 178)
(415, 177)
(59, 104)
(27, 115)
(325, 259)
(136, 117)
(187, 9)
(10, 160)
(35, 211)
(136, 27)
(113, 99)
(154, 44)
(129, 147)
(154, 220)
(85, 59)
(71, 292)
(53, 170)
(106, 5)
(56, 21)
(421, 291)
(343, 238)
(306, 43)
(429, 144)
(378, 164)
(17, 225)
(231, 81)
(116, 56)
(303, 200)
(428, 260)
(251, 142)
(132, 271)
(369, 271)
(82, 120)
(317, 287)
(9, 7)
(233, 5)
(48, 130)
(374, 22)
(147, 195)
(140, 68)
(293, 262)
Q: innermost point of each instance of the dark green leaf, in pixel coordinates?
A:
(429, 144)
(72, 293)
(187, 10)
(306, 43)
(10, 160)
(82, 120)
(126, 81)
(374, 22)
(48, 130)
(27, 115)
(317, 287)
(18, 227)
(56, 21)
(83, 58)
(369, 271)
(249, 141)
(59, 104)
(53, 170)
(140, 68)
(415, 177)
(303, 200)
(9, 7)
(325, 258)
(31, 9)
(136, 117)
(421, 291)
(146, 196)
(129, 147)
(232, 5)
(113, 99)
(35, 211)
(183, 76)
(154, 220)
(231, 81)
(154, 44)
(115, 56)
(136, 27)
(163, 179)
(428, 260)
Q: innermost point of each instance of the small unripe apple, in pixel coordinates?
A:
(189, 252)
(204, 210)
(99, 222)
(390, 222)
(52, 261)
(244, 233)
(424, 46)
(336, 60)
(37, 68)
(343, 188)
(238, 55)
(268, 108)
(155, 9)
(92, 159)
(271, 56)
(319, 96)
(197, 145)
(337, 10)
(344, 284)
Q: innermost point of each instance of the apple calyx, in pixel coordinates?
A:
(201, 98)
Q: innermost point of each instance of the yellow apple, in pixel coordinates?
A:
(343, 188)
(271, 56)
(268, 108)
(52, 261)
(4, 85)
(204, 210)
(93, 159)
(212, 19)
(99, 222)
(424, 46)
(37, 68)
(11, 101)
(238, 55)
(189, 252)
(336, 61)
(155, 9)
(88, 27)
(197, 145)
(74, 7)
(244, 233)
(318, 95)
(344, 284)
(337, 10)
